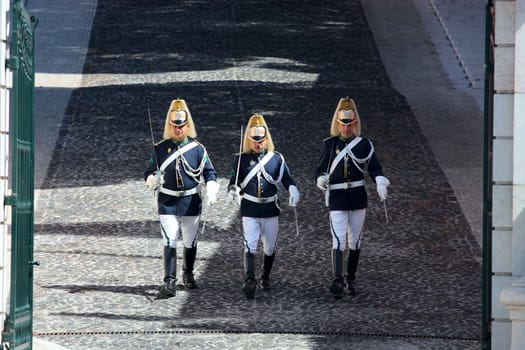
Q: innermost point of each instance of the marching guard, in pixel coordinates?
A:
(345, 159)
(257, 173)
(178, 168)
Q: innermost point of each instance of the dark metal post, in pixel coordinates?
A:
(487, 178)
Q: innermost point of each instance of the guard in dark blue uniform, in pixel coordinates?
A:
(179, 167)
(255, 179)
(346, 158)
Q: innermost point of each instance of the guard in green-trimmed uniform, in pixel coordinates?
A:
(254, 184)
(345, 159)
(178, 168)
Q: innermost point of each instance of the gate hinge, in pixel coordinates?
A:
(10, 200)
(12, 63)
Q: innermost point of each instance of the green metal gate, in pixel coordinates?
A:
(19, 327)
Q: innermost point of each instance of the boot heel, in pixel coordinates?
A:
(337, 288)
(249, 287)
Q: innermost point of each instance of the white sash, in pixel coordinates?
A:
(179, 152)
(345, 151)
(256, 168)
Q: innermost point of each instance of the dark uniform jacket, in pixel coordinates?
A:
(180, 180)
(272, 167)
(351, 198)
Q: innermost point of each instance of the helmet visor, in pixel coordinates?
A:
(257, 133)
(346, 117)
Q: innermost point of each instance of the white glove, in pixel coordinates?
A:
(153, 181)
(234, 195)
(294, 196)
(212, 188)
(382, 183)
(323, 181)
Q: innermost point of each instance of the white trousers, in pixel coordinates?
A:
(266, 229)
(172, 226)
(346, 227)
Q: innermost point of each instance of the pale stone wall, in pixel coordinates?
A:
(508, 210)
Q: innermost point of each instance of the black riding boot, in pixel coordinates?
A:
(188, 261)
(337, 287)
(250, 283)
(265, 272)
(168, 290)
(353, 260)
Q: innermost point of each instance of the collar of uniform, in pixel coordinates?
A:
(182, 143)
(260, 155)
(346, 140)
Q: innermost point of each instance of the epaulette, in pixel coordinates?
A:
(161, 141)
(195, 140)
(328, 138)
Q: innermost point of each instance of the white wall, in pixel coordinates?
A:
(508, 208)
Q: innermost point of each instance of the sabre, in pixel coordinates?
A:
(205, 218)
(239, 161)
(153, 142)
(234, 186)
(386, 213)
(296, 221)
(327, 192)
(155, 191)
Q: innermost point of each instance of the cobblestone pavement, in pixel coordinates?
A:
(97, 235)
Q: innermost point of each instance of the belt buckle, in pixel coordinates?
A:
(264, 199)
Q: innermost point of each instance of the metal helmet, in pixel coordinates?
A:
(346, 114)
(257, 130)
(179, 115)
